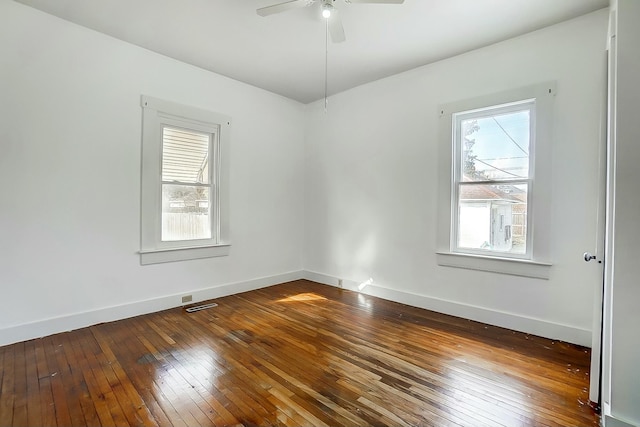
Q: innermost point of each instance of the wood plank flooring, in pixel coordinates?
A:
(295, 354)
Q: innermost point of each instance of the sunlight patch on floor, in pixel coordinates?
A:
(307, 296)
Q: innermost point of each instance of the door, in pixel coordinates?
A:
(596, 259)
(603, 232)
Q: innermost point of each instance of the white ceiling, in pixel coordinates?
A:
(285, 53)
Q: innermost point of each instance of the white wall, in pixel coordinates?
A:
(70, 167)
(70, 135)
(621, 374)
(371, 171)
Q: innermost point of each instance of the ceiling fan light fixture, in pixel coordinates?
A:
(327, 8)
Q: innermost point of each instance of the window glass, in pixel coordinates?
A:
(493, 179)
(185, 212)
(493, 217)
(185, 155)
(496, 147)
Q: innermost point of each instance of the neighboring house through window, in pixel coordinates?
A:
(495, 182)
(184, 182)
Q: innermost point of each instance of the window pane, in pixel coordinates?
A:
(493, 217)
(185, 156)
(495, 147)
(185, 212)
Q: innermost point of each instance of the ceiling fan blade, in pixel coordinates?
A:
(283, 7)
(376, 1)
(336, 30)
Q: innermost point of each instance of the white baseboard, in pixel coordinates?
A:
(609, 420)
(45, 327)
(528, 325)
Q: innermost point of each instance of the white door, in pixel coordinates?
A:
(596, 260)
(603, 232)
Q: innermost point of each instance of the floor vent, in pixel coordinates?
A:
(200, 307)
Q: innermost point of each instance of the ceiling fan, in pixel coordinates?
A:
(328, 11)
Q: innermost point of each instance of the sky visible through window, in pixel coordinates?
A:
(497, 146)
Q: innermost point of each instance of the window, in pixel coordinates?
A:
(492, 182)
(495, 182)
(184, 182)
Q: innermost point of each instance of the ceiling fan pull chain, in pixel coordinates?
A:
(326, 62)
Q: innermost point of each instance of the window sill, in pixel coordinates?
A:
(512, 266)
(159, 256)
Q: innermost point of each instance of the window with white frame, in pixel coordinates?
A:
(187, 185)
(495, 182)
(184, 182)
(492, 179)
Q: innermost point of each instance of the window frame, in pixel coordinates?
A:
(536, 261)
(213, 130)
(158, 114)
(458, 180)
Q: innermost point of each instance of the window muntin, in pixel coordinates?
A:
(492, 180)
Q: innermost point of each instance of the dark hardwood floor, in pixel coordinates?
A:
(296, 354)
